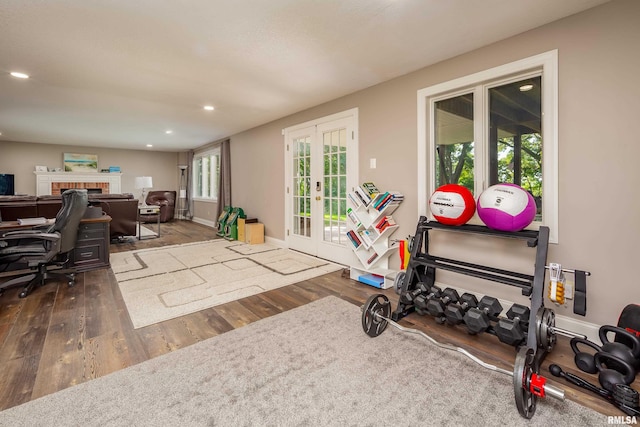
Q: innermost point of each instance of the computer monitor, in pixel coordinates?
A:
(7, 184)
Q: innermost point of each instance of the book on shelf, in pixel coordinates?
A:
(392, 199)
(32, 221)
(353, 217)
(382, 200)
(354, 199)
(370, 189)
(379, 199)
(386, 221)
(363, 195)
(365, 237)
(372, 258)
(352, 235)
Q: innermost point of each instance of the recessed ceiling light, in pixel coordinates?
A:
(209, 107)
(525, 88)
(19, 75)
(149, 145)
(168, 132)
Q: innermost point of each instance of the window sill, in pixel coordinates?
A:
(196, 199)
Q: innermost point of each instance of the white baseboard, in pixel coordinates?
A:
(206, 222)
(562, 322)
(275, 242)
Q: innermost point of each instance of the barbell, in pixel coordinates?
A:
(528, 385)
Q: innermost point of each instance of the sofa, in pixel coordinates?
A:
(122, 208)
(167, 202)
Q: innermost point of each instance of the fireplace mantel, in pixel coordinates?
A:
(109, 182)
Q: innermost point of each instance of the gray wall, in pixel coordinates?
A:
(20, 158)
(598, 107)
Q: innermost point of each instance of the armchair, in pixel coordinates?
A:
(167, 202)
(42, 249)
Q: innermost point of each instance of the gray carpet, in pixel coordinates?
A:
(309, 366)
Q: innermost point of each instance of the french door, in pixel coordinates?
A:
(321, 167)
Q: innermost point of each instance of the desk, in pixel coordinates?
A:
(148, 211)
(15, 225)
(92, 246)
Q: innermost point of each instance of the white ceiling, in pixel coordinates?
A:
(119, 73)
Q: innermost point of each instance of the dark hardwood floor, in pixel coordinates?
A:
(60, 336)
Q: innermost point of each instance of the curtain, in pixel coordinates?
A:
(188, 214)
(224, 180)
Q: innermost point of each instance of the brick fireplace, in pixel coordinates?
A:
(50, 183)
(58, 187)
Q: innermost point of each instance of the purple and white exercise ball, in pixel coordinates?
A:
(506, 207)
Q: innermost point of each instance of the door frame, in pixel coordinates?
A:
(352, 163)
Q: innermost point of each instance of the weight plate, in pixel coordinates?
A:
(376, 306)
(545, 322)
(399, 282)
(522, 370)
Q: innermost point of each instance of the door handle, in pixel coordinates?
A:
(318, 187)
(318, 197)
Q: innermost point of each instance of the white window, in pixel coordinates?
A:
(206, 170)
(499, 125)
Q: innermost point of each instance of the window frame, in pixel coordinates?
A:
(215, 152)
(545, 65)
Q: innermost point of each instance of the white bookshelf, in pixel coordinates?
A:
(375, 245)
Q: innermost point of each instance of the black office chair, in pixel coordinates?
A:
(47, 252)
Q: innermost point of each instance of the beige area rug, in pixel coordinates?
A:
(164, 283)
(310, 366)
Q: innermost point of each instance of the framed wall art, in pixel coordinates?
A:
(80, 162)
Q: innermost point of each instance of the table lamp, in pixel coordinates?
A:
(143, 183)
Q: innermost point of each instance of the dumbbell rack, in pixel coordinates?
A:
(422, 268)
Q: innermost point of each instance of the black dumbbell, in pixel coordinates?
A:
(478, 319)
(512, 330)
(436, 306)
(454, 313)
(422, 300)
(409, 297)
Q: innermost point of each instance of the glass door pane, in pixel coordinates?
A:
(335, 185)
(302, 186)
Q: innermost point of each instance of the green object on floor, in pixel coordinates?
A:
(231, 226)
(222, 220)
